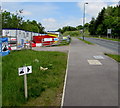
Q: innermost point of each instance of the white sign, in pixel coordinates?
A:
(13, 39)
(108, 31)
(13, 48)
(38, 44)
(29, 69)
(47, 39)
(24, 70)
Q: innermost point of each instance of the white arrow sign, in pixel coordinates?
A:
(24, 70)
(29, 69)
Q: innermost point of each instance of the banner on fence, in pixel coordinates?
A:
(4, 46)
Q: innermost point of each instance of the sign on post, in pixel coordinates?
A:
(24, 71)
(108, 31)
(29, 69)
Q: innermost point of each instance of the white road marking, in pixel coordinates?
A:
(94, 62)
(63, 95)
(99, 57)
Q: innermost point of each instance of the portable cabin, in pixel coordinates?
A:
(44, 40)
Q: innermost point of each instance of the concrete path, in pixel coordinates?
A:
(90, 84)
(53, 48)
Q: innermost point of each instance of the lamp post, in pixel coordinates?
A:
(84, 19)
(18, 15)
(0, 21)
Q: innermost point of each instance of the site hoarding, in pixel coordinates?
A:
(4, 46)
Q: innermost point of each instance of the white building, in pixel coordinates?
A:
(21, 36)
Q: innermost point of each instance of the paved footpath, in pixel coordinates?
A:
(93, 83)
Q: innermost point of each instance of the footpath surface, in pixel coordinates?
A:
(92, 77)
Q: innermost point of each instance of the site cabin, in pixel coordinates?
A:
(17, 38)
(46, 40)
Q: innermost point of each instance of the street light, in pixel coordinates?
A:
(84, 19)
(18, 14)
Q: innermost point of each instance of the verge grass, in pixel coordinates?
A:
(114, 56)
(86, 41)
(39, 82)
(104, 38)
(72, 33)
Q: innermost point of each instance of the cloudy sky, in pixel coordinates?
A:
(56, 14)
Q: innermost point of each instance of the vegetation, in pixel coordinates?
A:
(86, 41)
(108, 18)
(104, 38)
(0, 81)
(66, 28)
(72, 33)
(114, 56)
(10, 20)
(40, 82)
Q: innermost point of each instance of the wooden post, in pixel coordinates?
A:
(25, 86)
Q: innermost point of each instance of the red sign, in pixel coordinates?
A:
(13, 39)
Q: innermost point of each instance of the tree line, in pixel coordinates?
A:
(108, 18)
(15, 21)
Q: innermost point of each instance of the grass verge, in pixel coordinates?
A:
(49, 82)
(64, 43)
(114, 56)
(105, 38)
(86, 41)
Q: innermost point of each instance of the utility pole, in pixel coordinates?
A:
(0, 21)
(18, 13)
(84, 19)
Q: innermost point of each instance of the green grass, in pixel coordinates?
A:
(72, 33)
(114, 56)
(112, 39)
(39, 82)
(75, 33)
(105, 38)
(0, 81)
(86, 41)
(63, 43)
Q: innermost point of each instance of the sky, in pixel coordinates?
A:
(57, 14)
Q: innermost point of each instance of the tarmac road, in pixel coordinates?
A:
(112, 45)
(87, 84)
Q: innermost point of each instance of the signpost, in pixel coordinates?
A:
(109, 31)
(24, 71)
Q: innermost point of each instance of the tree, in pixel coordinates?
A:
(92, 27)
(108, 18)
(79, 27)
(66, 28)
(10, 20)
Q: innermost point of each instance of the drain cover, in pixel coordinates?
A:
(94, 62)
(98, 57)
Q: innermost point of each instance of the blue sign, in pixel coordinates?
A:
(4, 47)
(56, 39)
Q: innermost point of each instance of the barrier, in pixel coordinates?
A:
(4, 46)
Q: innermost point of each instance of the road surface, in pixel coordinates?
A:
(90, 84)
(112, 45)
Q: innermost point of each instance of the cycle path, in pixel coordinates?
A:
(90, 82)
